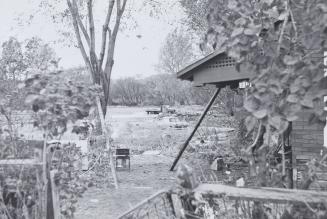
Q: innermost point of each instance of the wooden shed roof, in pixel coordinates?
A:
(216, 68)
(185, 73)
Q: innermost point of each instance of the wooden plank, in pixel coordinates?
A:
(32, 162)
(275, 195)
(55, 195)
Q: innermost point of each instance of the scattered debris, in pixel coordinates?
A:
(154, 152)
(94, 200)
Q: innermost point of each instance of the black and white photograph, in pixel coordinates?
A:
(163, 109)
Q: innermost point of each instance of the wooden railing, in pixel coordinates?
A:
(222, 201)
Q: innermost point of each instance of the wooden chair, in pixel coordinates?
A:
(123, 155)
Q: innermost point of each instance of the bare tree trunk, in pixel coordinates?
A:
(108, 146)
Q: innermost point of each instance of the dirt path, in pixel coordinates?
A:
(148, 175)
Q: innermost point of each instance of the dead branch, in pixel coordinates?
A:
(257, 137)
(293, 21)
(283, 29)
(309, 207)
(95, 162)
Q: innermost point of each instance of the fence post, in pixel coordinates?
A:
(55, 195)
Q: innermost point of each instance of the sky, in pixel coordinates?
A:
(137, 48)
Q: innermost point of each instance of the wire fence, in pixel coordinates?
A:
(158, 206)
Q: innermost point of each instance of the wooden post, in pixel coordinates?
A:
(55, 196)
(212, 100)
(44, 176)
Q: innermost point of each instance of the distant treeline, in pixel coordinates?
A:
(153, 90)
(157, 90)
(162, 89)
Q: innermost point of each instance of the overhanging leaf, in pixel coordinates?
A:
(275, 121)
(290, 60)
(307, 102)
(237, 31)
(292, 98)
(31, 98)
(232, 4)
(251, 104)
(260, 114)
(273, 12)
(252, 30)
(250, 122)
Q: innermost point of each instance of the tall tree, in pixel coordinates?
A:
(128, 91)
(17, 60)
(39, 56)
(99, 65)
(196, 13)
(12, 60)
(176, 53)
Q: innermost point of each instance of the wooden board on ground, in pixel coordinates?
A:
(275, 195)
(20, 162)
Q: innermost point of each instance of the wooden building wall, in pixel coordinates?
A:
(307, 142)
(306, 139)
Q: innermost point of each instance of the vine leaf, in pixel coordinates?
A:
(31, 98)
(290, 60)
(292, 98)
(232, 4)
(307, 102)
(250, 122)
(251, 105)
(278, 122)
(260, 114)
(237, 31)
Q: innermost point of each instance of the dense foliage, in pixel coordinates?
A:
(57, 101)
(282, 42)
(68, 179)
(17, 61)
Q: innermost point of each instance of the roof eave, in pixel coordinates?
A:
(182, 74)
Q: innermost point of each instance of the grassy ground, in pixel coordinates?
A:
(148, 174)
(133, 128)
